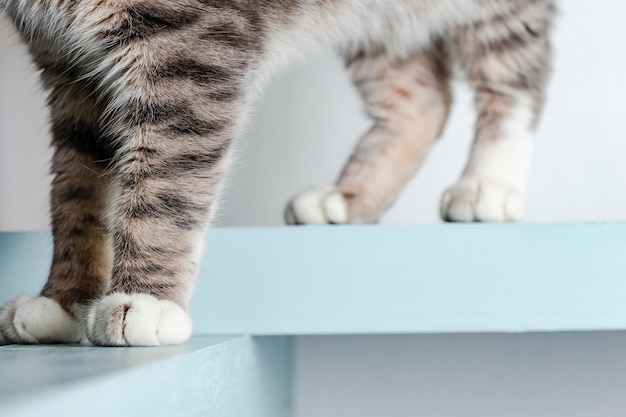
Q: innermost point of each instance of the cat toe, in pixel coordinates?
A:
(481, 200)
(35, 320)
(137, 320)
(320, 205)
(9, 333)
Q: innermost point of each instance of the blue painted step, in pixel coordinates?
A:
(207, 377)
(326, 280)
(423, 279)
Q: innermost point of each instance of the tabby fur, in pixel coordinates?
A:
(147, 96)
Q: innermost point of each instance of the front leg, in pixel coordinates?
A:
(166, 187)
(408, 100)
(81, 262)
(177, 104)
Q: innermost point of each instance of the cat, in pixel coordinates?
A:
(146, 97)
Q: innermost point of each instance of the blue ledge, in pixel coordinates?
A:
(424, 279)
(208, 377)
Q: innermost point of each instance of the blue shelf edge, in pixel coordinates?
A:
(209, 377)
(379, 279)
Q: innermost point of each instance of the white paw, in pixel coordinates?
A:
(137, 320)
(320, 205)
(32, 320)
(481, 200)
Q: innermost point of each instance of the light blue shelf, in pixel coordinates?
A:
(443, 278)
(36, 367)
(424, 279)
(207, 377)
(308, 280)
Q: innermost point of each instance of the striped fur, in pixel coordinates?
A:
(147, 96)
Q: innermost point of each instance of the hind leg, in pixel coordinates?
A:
(507, 62)
(409, 102)
(81, 256)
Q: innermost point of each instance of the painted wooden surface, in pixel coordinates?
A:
(308, 280)
(424, 279)
(207, 377)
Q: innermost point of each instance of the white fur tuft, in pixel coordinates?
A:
(493, 185)
(484, 200)
(137, 320)
(38, 320)
(321, 205)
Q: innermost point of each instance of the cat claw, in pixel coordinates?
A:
(320, 205)
(481, 200)
(137, 320)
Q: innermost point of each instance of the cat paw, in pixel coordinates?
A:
(481, 200)
(320, 205)
(35, 320)
(137, 320)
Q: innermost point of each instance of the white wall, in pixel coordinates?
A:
(304, 129)
(24, 152)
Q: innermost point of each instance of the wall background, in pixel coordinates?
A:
(306, 124)
(303, 130)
